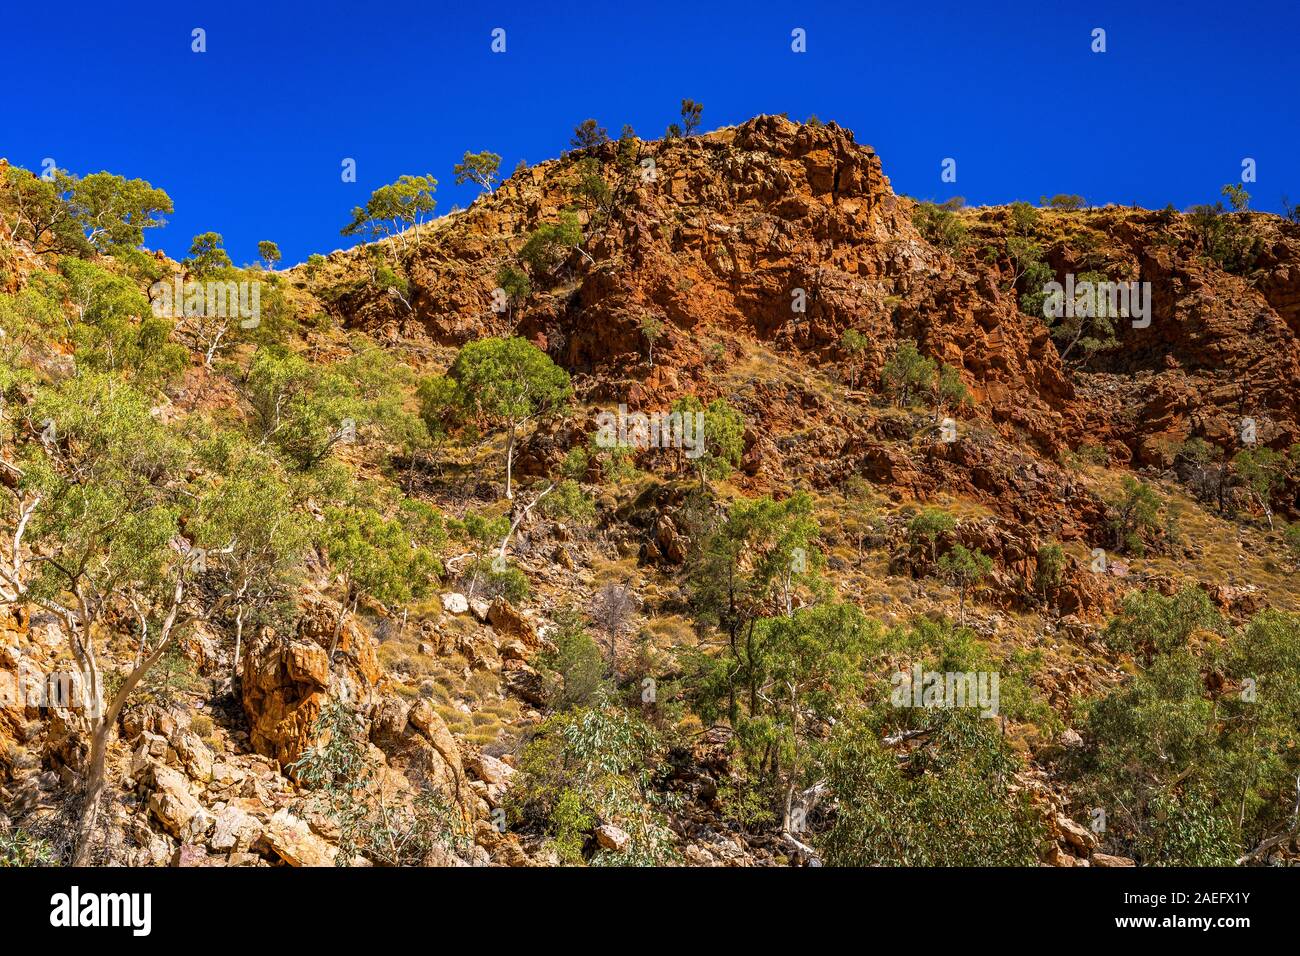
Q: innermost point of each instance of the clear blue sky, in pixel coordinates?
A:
(248, 137)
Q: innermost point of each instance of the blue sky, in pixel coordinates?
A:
(248, 137)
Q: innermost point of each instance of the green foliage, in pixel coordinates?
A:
(574, 673)
(591, 187)
(116, 329)
(171, 679)
(251, 514)
(964, 569)
(801, 670)
(945, 803)
(108, 508)
(724, 435)
(926, 527)
(508, 383)
(629, 148)
(1029, 272)
(40, 214)
(551, 243)
(652, 330)
(1264, 471)
(1237, 196)
(1291, 540)
(1064, 202)
(593, 764)
(1050, 564)
(1134, 515)
(20, 848)
(303, 409)
(514, 282)
(587, 134)
(307, 410)
(207, 257)
(394, 208)
(1225, 239)
(269, 253)
(487, 569)
(1197, 777)
(949, 389)
(568, 501)
(750, 566)
(940, 226)
(480, 168)
(1024, 217)
(1091, 327)
(114, 211)
(391, 560)
(32, 317)
(1150, 623)
(440, 404)
(347, 786)
(907, 373)
(854, 344)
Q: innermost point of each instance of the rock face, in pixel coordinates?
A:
(738, 221)
(286, 680)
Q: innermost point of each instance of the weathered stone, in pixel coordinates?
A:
(234, 830)
(509, 623)
(491, 770)
(1077, 836)
(289, 838)
(172, 804)
(612, 837)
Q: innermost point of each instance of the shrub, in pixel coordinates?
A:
(907, 373)
(941, 227)
(944, 804)
(1065, 202)
(573, 673)
(926, 527)
(1149, 623)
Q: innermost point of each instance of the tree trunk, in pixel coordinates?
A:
(94, 793)
(510, 461)
(239, 637)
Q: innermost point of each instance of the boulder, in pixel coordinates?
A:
(287, 679)
(289, 838)
(1079, 837)
(172, 804)
(509, 623)
(491, 770)
(612, 838)
(235, 830)
(454, 603)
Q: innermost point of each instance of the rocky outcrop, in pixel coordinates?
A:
(287, 679)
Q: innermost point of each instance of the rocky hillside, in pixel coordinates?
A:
(640, 656)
